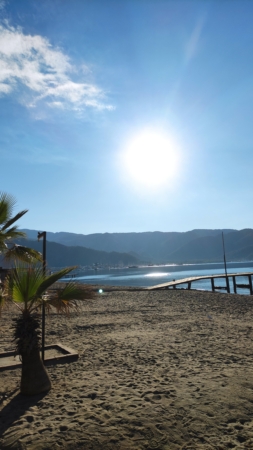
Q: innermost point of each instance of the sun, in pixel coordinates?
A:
(151, 159)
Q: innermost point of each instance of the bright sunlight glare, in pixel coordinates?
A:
(151, 159)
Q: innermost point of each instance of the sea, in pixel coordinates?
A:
(146, 276)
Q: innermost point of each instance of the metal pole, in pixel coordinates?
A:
(225, 264)
(44, 236)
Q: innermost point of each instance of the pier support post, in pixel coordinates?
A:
(250, 285)
(234, 283)
(212, 284)
(189, 285)
(227, 284)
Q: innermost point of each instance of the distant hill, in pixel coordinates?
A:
(161, 247)
(238, 245)
(147, 245)
(59, 255)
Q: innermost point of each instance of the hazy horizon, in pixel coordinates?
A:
(136, 232)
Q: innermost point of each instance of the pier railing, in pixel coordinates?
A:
(214, 287)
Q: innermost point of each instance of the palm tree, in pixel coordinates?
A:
(9, 232)
(28, 289)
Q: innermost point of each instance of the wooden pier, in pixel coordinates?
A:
(212, 278)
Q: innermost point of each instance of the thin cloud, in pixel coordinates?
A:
(193, 42)
(45, 74)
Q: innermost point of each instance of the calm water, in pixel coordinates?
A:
(150, 276)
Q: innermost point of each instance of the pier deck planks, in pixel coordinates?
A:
(190, 280)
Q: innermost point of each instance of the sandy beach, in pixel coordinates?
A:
(156, 370)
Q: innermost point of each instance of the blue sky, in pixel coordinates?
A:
(119, 116)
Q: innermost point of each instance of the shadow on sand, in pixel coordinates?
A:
(16, 407)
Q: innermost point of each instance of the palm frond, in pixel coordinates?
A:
(11, 233)
(72, 290)
(23, 283)
(67, 298)
(24, 254)
(7, 203)
(69, 295)
(14, 219)
(61, 306)
(28, 288)
(51, 279)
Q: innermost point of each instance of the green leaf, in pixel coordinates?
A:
(51, 279)
(23, 284)
(28, 288)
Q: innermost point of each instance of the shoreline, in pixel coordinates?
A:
(151, 276)
(163, 370)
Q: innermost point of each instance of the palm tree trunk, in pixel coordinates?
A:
(34, 378)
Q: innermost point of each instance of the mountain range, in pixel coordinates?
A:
(194, 246)
(59, 255)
